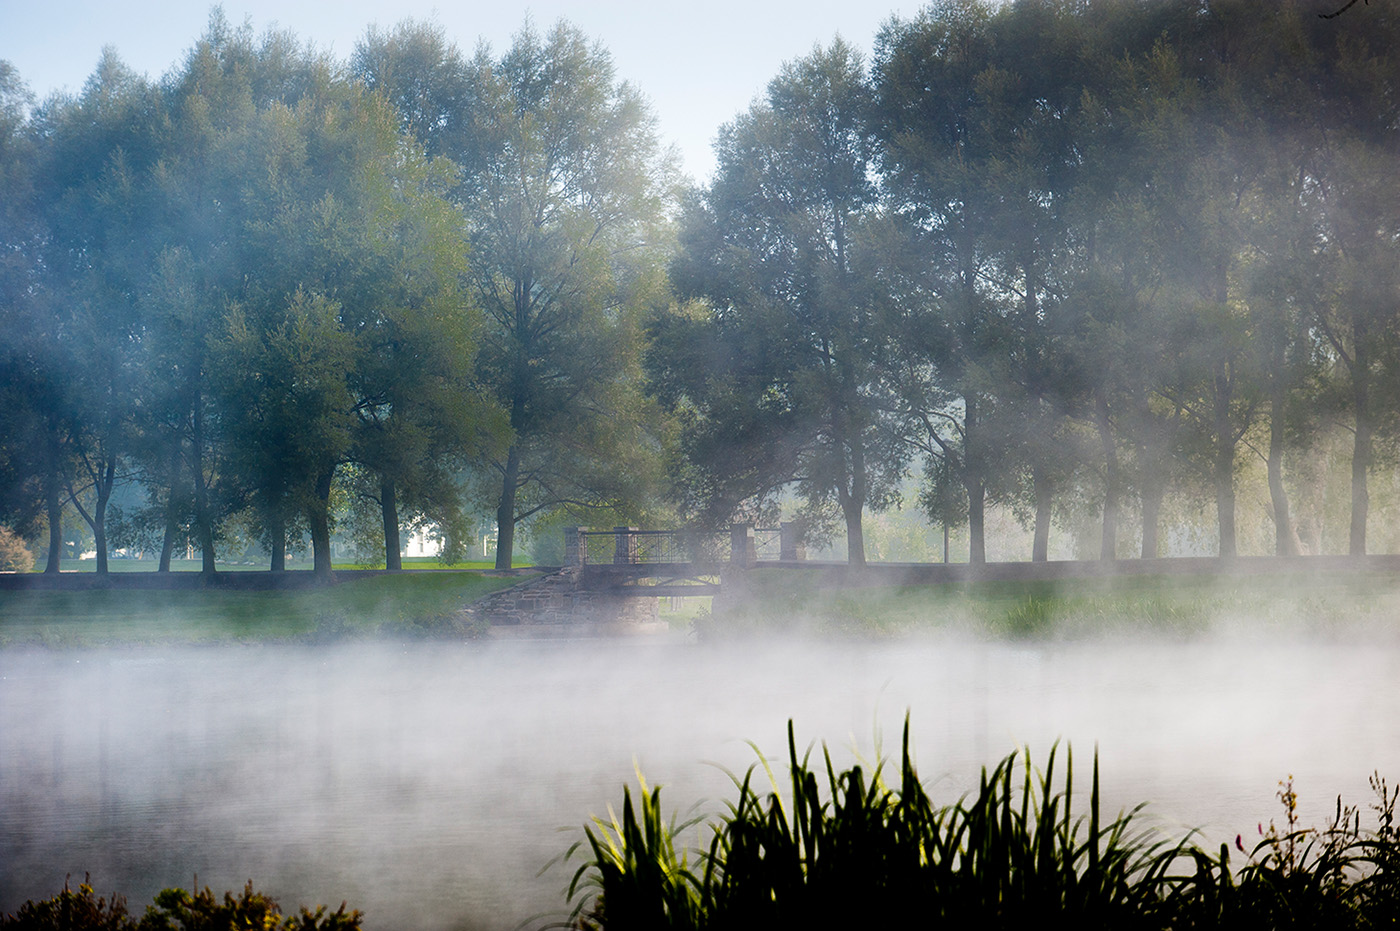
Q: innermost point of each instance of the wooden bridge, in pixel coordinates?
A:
(674, 563)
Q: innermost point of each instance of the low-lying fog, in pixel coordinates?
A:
(428, 784)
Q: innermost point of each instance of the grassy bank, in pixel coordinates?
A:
(1361, 603)
(415, 604)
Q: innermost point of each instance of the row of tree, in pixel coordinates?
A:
(1051, 254)
(272, 276)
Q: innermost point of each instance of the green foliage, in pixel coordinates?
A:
(843, 849)
(847, 850)
(175, 910)
(71, 911)
(780, 380)
(14, 555)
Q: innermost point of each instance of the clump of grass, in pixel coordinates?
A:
(845, 849)
(849, 849)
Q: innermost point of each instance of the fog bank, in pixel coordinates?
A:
(427, 784)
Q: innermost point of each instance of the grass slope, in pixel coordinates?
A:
(414, 604)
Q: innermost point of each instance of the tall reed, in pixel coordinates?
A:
(847, 849)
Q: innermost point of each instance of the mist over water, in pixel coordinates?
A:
(427, 784)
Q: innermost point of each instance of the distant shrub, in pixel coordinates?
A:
(174, 910)
(14, 555)
(71, 910)
(178, 910)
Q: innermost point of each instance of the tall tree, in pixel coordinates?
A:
(782, 249)
(100, 148)
(565, 200)
(565, 193)
(941, 151)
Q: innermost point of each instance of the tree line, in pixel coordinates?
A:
(1062, 256)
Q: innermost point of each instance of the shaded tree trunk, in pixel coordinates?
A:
(1285, 543)
(203, 517)
(320, 520)
(389, 510)
(505, 510)
(1043, 489)
(975, 484)
(1108, 543)
(53, 506)
(1154, 489)
(1363, 445)
(172, 512)
(277, 533)
(853, 506)
(1223, 472)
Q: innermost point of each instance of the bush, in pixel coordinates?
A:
(71, 911)
(14, 555)
(174, 910)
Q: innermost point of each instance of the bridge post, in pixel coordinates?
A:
(790, 541)
(741, 551)
(624, 546)
(575, 553)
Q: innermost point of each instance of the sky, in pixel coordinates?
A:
(699, 63)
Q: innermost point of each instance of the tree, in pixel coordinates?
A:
(23, 497)
(565, 196)
(564, 193)
(99, 148)
(782, 248)
(940, 148)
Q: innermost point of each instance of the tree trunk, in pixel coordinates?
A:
(975, 484)
(855, 532)
(103, 489)
(1108, 542)
(277, 532)
(853, 504)
(1285, 543)
(505, 510)
(1224, 465)
(203, 518)
(1363, 447)
(172, 513)
(53, 504)
(1154, 488)
(1044, 498)
(389, 509)
(976, 522)
(320, 520)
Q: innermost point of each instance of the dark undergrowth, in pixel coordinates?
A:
(855, 849)
(173, 910)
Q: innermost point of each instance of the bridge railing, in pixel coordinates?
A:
(631, 546)
(743, 545)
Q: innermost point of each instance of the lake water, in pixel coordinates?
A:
(428, 784)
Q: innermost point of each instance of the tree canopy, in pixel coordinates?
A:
(1115, 268)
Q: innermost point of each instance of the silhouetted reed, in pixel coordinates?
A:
(847, 849)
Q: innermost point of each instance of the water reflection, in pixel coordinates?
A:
(427, 784)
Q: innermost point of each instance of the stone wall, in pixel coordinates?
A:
(553, 606)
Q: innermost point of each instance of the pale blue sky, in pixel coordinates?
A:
(700, 62)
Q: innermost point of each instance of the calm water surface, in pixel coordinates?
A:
(429, 784)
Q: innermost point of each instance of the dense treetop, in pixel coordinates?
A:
(1106, 263)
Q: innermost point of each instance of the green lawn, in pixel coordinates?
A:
(194, 565)
(392, 605)
(1342, 605)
